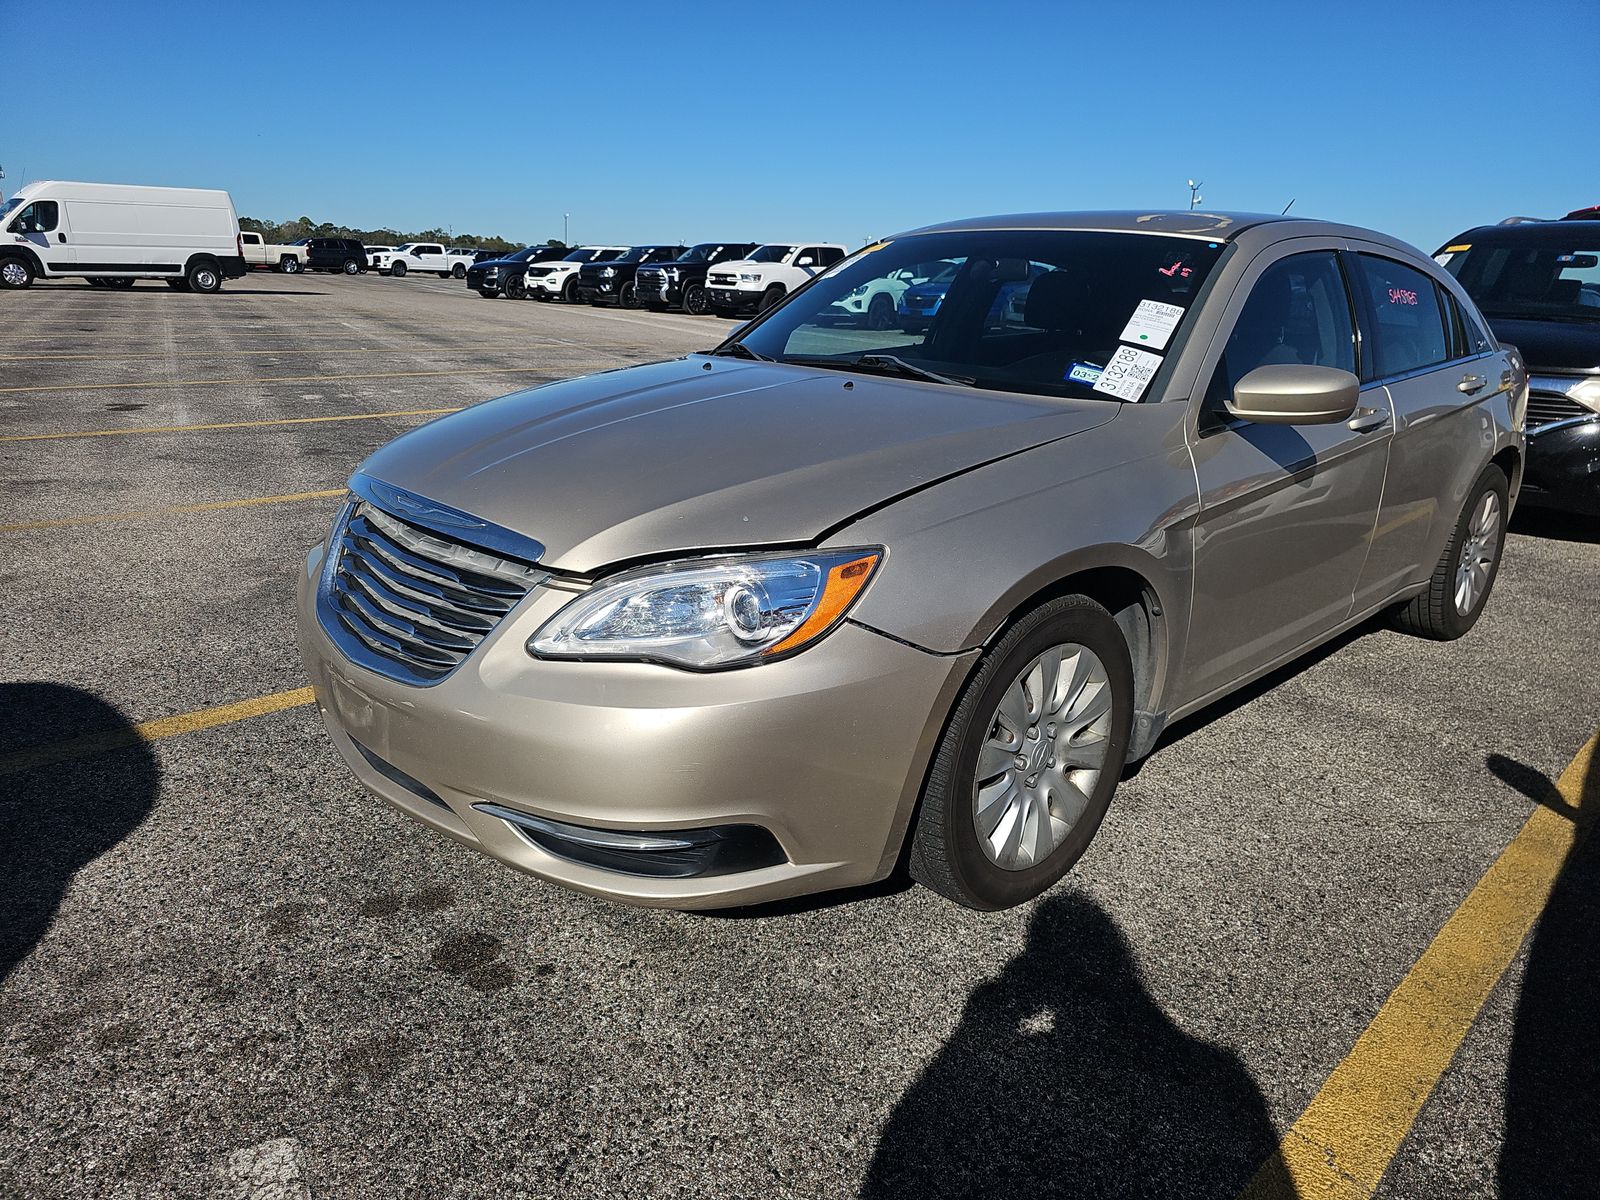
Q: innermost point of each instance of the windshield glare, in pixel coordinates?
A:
(771, 254)
(1550, 281)
(699, 254)
(1037, 311)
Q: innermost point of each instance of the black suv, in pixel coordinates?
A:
(1538, 283)
(505, 274)
(336, 255)
(612, 282)
(682, 282)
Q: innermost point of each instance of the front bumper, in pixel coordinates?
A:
(546, 283)
(824, 752)
(1563, 470)
(734, 298)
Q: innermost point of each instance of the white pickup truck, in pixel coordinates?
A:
(767, 276)
(443, 261)
(258, 252)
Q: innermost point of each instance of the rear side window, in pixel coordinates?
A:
(1466, 335)
(1405, 329)
(1298, 313)
(41, 216)
(829, 255)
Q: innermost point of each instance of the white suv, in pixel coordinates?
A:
(767, 276)
(558, 279)
(423, 256)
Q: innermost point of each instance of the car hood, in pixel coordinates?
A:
(709, 453)
(1551, 345)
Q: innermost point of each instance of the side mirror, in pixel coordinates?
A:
(805, 262)
(1294, 394)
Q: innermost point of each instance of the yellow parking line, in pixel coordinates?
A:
(175, 511)
(137, 429)
(181, 383)
(150, 731)
(1348, 1135)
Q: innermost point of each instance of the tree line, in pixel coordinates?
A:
(283, 232)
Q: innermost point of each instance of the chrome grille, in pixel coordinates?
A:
(723, 279)
(417, 603)
(1545, 408)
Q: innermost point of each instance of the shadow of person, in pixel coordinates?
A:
(1065, 1078)
(1552, 1123)
(56, 815)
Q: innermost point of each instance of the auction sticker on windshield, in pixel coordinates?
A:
(1152, 324)
(1128, 373)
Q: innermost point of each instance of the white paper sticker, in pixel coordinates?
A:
(1152, 324)
(1443, 259)
(1128, 373)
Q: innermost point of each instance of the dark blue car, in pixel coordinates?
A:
(919, 303)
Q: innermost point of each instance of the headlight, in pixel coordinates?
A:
(705, 614)
(1587, 393)
(749, 278)
(607, 272)
(670, 272)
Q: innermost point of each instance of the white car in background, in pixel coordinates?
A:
(374, 251)
(768, 275)
(423, 256)
(558, 279)
(876, 303)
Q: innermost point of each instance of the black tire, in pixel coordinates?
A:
(121, 282)
(514, 288)
(398, 270)
(289, 265)
(880, 313)
(770, 297)
(628, 295)
(1434, 612)
(351, 267)
(16, 272)
(204, 277)
(569, 290)
(945, 851)
(694, 300)
(178, 285)
(459, 271)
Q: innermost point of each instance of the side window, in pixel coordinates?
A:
(41, 216)
(1298, 313)
(1466, 335)
(830, 255)
(809, 252)
(1405, 330)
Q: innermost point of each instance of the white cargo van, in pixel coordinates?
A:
(187, 236)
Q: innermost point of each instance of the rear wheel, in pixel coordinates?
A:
(289, 265)
(15, 272)
(1028, 763)
(1465, 573)
(351, 267)
(694, 300)
(459, 271)
(205, 278)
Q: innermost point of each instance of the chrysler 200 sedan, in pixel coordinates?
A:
(819, 602)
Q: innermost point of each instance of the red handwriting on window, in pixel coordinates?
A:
(1177, 268)
(1401, 296)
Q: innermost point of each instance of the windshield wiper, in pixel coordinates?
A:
(739, 350)
(879, 364)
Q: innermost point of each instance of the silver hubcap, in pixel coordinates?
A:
(1042, 757)
(14, 273)
(206, 280)
(1477, 554)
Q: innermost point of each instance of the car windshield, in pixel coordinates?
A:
(1545, 280)
(523, 255)
(701, 253)
(770, 253)
(10, 206)
(636, 254)
(587, 254)
(1076, 314)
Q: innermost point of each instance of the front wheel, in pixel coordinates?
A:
(289, 265)
(628, 296)
(694, 300)
(770, 297)
(880, 313)
(204, 278)
(15, 272)
(1462, 578)
(569, 291)
(1027, 765)
(398, 270)
(515, 289)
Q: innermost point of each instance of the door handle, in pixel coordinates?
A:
(1472, 383)
(1367, 419)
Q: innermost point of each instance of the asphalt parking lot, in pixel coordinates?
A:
(225, 970)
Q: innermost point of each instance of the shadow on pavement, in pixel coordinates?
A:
(1065, 1078)
(56, 818)
(1552, 1134)
(1558, 526)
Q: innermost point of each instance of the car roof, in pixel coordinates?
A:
(1541, 233)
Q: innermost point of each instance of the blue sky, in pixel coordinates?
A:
(661, 121)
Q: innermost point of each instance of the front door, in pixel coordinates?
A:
(42, 227)
(1286, 511)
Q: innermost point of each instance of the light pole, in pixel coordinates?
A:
(565, 217)
(1194, 194)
